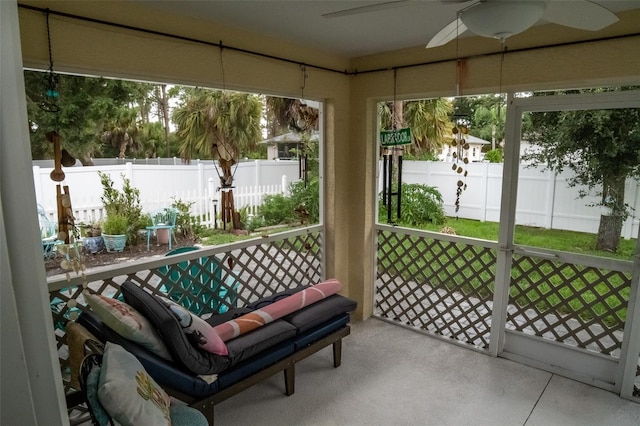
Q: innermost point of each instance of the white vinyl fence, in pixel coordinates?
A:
(160, 185)
(544, 198)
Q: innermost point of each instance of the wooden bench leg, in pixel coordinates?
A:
(290, 380)
(337, 353)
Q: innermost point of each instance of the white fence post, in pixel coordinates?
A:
(285, 186)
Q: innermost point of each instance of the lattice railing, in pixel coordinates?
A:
(433, 283)
(206, 280)
(577, 305)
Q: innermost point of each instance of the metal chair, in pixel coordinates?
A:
(212, 295)
(163, 219)
(48, 233)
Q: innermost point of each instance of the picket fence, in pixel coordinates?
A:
(544, 198)
(161, 185)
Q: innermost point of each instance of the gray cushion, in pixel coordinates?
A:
(319, 312)
(195, 360)
(252, 343)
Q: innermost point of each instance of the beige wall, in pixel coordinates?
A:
(350, 100)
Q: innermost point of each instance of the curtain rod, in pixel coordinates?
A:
(220, 45)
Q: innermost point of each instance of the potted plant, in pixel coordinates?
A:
(92, 241)
(114, 232)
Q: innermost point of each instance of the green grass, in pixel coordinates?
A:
(557, 288)
(555, 239)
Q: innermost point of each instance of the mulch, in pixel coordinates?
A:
(130, 252)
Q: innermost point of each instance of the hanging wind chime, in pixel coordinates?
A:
(460, 157)
(66, 221)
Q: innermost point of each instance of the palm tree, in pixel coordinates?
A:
(220, 124)
(285, 114)
(427, 118)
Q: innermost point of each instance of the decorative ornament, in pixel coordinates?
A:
(460, 156)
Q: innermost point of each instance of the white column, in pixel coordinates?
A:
(31, 391)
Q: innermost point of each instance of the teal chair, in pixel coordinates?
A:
(163, 219)
(48, 233)
(210, 296)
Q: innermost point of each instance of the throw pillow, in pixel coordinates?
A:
(127, 322)
(128, 393)
(199, 332)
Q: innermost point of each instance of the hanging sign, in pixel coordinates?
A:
(395, 137)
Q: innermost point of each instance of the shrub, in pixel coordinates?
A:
(494, 156)
(124, 203)
(277, 209)
(421, 204)
(115, 224)
(307, 197)
(189, 226)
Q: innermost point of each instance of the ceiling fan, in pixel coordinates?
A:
(500, 19)
(503, 18)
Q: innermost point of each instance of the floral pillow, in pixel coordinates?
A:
(128, 393)
(127, 322)
(199, 332)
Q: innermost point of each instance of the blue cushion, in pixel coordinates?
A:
(182, 415)
(97, 409)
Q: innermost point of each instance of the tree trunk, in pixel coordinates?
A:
(165, 116)
(609, 233)
(610, 227)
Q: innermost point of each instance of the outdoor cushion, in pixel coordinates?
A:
(216, 319)
(127, 322)
(200, 333)
(166, 373)
(278, 309)
(265, 337)
(183, 415)
(128, 393)
(267, 300)
(320, 312)
(195, 360)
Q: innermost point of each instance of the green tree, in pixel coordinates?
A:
(218, 124)
(94, 115)
(602, 148)
(286, 114)
(428, 119)
(486, 116)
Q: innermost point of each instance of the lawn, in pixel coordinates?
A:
(542, 284)
(555, 239)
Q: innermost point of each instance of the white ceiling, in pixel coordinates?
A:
(406, 23)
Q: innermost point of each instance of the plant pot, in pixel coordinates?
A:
(93, 245)
(163, 236)
(114, 243)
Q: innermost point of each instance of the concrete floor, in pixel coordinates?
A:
(393, 376)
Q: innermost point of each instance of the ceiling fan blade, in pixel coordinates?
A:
(368, 8)
(583, 14)
(448, 33)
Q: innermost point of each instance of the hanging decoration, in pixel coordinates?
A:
(460, 156)
(68, 238)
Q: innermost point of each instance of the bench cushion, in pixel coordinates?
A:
(313, 315)
(174, 337)
(247, 345)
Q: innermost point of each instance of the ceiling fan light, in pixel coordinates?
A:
(501, 18)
